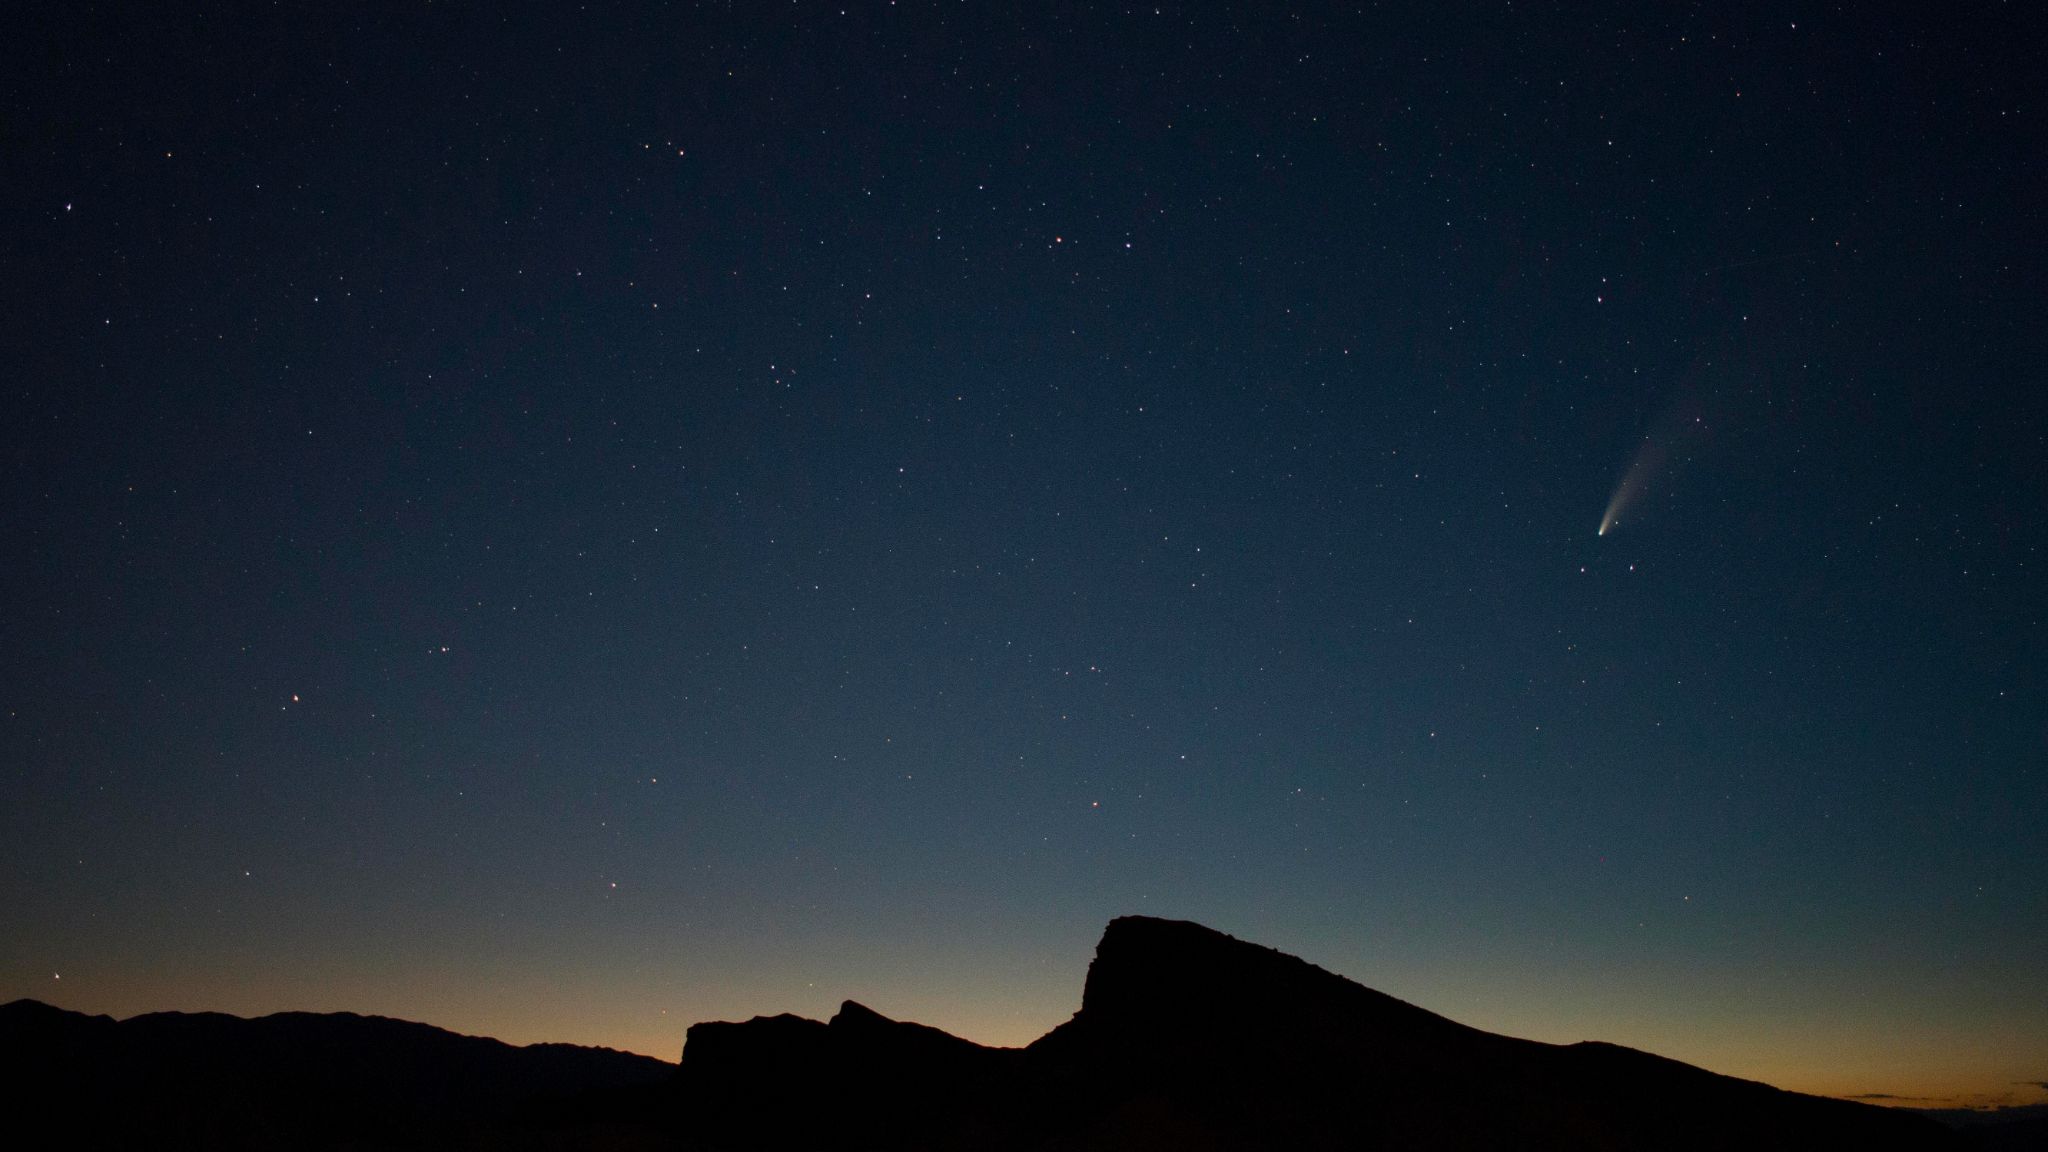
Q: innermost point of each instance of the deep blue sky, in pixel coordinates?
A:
(565, 524)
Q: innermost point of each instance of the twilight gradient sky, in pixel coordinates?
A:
(563, 524)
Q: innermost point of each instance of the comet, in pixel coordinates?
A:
(1648, 461)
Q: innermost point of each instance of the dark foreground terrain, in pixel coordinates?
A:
(1186, 1039)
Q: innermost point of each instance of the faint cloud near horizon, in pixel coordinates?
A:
(1981, 1102)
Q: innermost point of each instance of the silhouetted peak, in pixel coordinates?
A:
(33, 1025)
(26, 1009)
(1137, 953)
(866, 1034)
(1175, 976)
(855, 1012)
(856, 1037)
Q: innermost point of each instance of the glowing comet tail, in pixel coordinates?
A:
(1648, 459)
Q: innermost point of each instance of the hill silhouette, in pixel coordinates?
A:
(312, 1080)
(1186, 1039)
(1190, 1039)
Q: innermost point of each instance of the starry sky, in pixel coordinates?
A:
(565, 523)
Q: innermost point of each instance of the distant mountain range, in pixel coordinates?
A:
(1187, 1039)
(302, 1080)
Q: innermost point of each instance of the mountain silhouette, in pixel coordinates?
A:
(311, 1081)
(1191, 1039)
(1186, 1039)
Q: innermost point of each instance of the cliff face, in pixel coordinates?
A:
(1188, 1038)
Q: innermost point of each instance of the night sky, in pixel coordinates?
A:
(569, 523)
